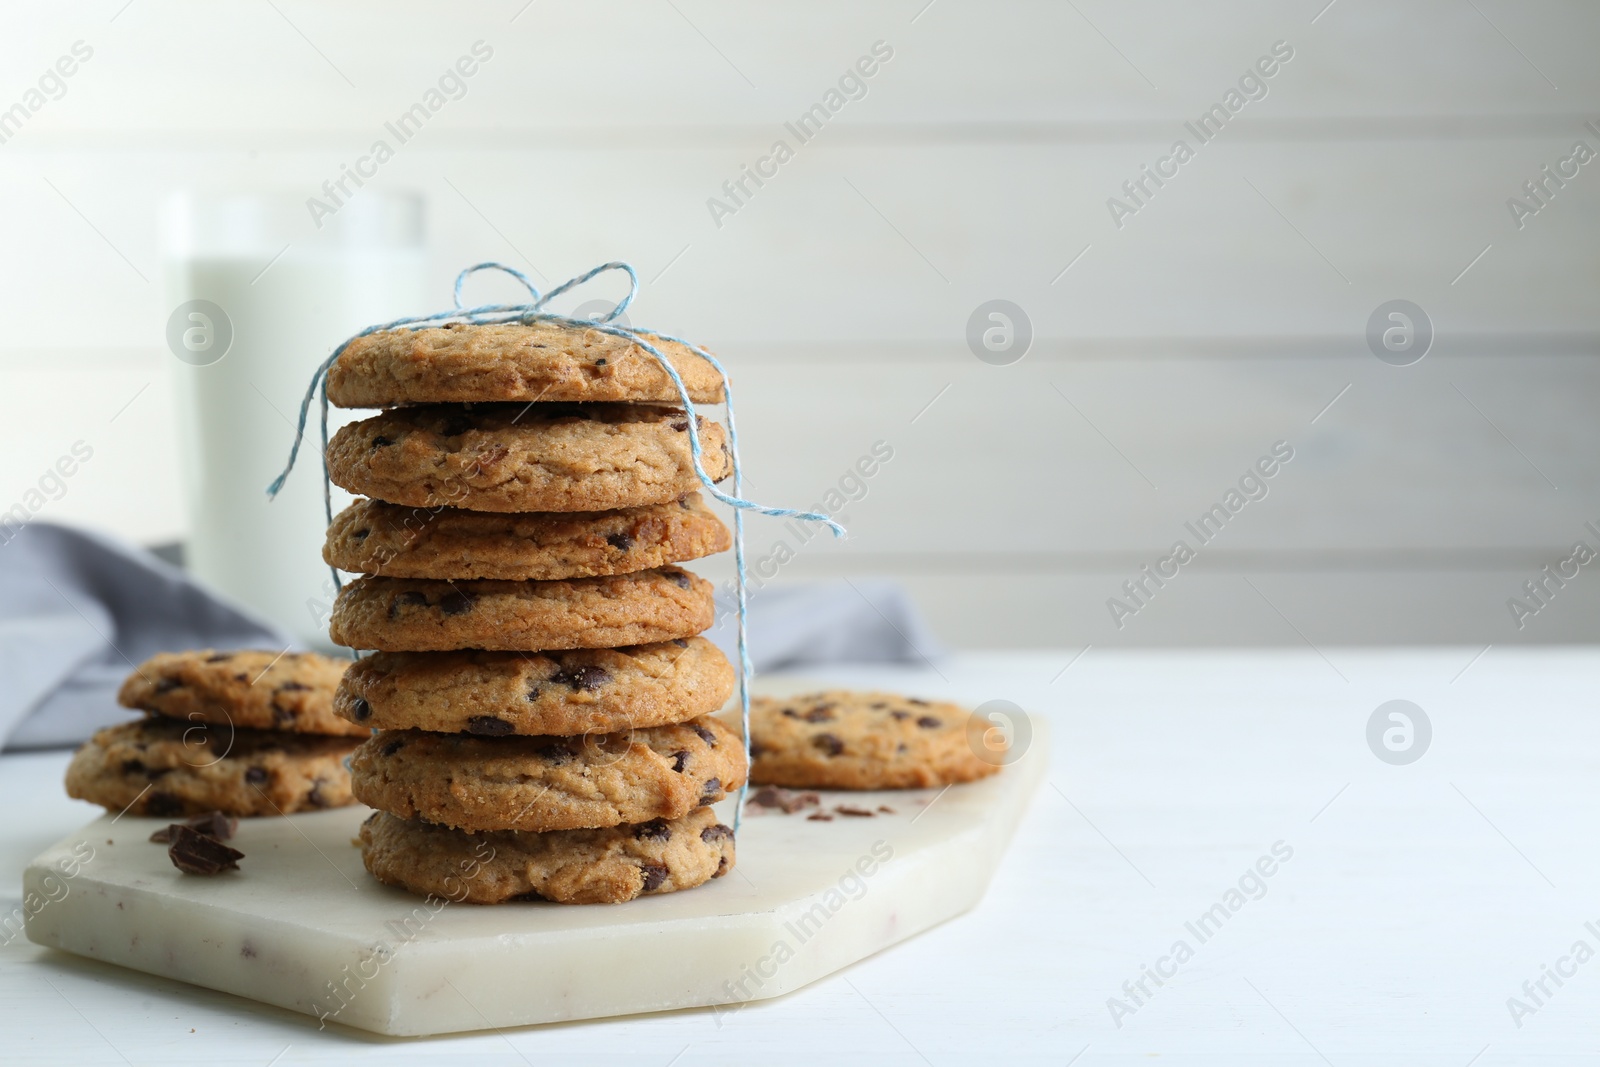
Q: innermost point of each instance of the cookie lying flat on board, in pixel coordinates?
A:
(849, 740)
(372, 537)
(257, 690)
(476, 362)
(549, 783)
(522, 457)
(423, 615)
(573, 692)
(168, 767)
(606, 866)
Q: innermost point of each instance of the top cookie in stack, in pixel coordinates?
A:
(542, 694)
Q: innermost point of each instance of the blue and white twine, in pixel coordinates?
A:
(534, 312)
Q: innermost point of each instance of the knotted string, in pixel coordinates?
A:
(534, 312)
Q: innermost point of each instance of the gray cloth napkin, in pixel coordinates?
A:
(79, 610)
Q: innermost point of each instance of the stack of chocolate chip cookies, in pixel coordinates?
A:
(541, 695)
(243, 733)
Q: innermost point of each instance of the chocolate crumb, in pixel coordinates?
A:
(850, 809)
(886, 809)
(194, 853)
(819, 816)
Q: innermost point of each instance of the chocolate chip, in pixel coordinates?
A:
(683, 502)
(361, 709)
(220, 657)
(928, 722)
(585, 678)
(557, 750)
(241, 677)
(361, 535)
(828, 743)
(918, 703)
(410, 598)
(456, 602)
(255, 775)
(533, 692)
(705, 735)
(292, 686)
(716, 833)
(680, 642)
(167, 685)
(821, 713)
(680, 760)
(455, 426)
(677, 577)
(601, 362)
(713, 789)
(281, 714)
(897, 715)
(654, 830)
(654, 875)
(315, 797)
(488, 726)
(159, 804)
(392, 746)
(619, 541)
(131, 766)
(381, 442)
(194, 853)
(789, 713)
(681, 425)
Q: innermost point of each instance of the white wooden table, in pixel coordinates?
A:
(1417, 900)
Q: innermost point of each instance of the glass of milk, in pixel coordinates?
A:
(260, 293)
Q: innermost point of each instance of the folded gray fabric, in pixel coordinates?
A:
(79, 610)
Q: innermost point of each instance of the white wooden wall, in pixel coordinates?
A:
(1222, 317)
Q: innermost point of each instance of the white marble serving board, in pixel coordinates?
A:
(302, 925)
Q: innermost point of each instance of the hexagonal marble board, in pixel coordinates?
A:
(302, 925)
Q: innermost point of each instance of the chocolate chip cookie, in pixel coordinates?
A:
(526, 457)
(849, 740)
(606, 866)
(168, 767)
(467, 362)
(371, 537)
(549, 783)
(493, 694)
(421, 615)
(257, 690)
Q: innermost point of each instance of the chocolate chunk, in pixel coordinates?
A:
(488, 726)
(362, 710)
(847, 809)
(392, 746)
(928, 722)
(716, 833)
(586, 678)
(828, 743)
(558, 750)
(820, 713)
(705, 735)
(381, 442)
(713, 789)
(680, 760)
(255, 775)
(456, 602)
(619, 541)
(194, 853)
(654, 830)
(677, 577)
(654, 875)
(213, 824)
(159, 804)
